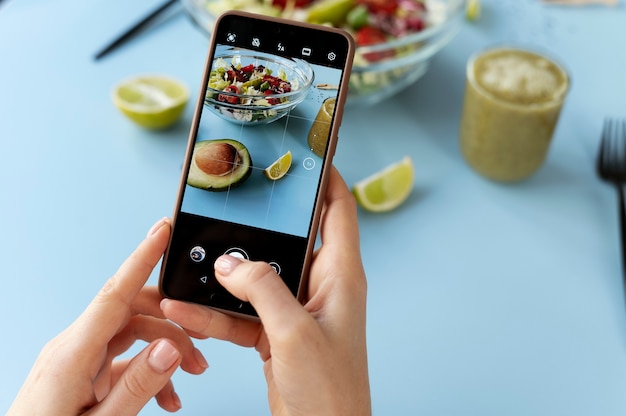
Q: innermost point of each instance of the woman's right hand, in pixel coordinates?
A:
(315, 356)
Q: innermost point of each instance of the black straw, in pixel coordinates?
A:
(134, 29)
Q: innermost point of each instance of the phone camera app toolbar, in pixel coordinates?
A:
(273, 43)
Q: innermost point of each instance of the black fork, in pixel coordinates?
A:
(611, 166)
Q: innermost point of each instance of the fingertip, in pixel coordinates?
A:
(168, 399)
(176, 400)
(225, 264)
(202, 362)
(157, 226)
(164, 303)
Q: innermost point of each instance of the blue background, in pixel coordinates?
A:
(484, 299)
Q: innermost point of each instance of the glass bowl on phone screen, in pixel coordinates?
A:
(256, 88)
(396, 39)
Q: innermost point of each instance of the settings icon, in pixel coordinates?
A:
(231, 37)
(332, 56)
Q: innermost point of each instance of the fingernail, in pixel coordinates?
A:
(157, 226)
(163, 356)
(225, 264)
(200, 358)
(164, 303)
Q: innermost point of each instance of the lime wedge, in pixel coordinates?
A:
(152, 101)
(330, 11)
(279, 168)
(387, 189)
(472, 10)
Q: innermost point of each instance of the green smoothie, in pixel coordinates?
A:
(513, 99)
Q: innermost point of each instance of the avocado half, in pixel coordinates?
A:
(218, 165)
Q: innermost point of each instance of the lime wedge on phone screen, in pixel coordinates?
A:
(152, 101)
(279, 168)
(386, 189)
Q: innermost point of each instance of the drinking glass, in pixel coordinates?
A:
(513, 99)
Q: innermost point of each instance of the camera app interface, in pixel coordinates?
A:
(258, 156)
(261, 140)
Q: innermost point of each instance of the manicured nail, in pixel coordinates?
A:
(163, 356)
(225, 264)
(200, 358)
(164, 303)
(157, 226)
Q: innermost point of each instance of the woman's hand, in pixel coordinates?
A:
(315, 358)
(76, 372)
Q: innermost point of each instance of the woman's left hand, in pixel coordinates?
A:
(76, 372)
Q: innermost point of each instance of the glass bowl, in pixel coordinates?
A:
(255, 106)
(382, 70)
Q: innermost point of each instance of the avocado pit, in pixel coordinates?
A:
(217, 158)
(219, 165)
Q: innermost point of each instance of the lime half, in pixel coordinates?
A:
(387, 189)
(279, 168)
(152, 101)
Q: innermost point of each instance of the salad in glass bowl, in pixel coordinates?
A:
(396, 39)
(257, 88)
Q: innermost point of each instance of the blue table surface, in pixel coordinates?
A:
(484, 299)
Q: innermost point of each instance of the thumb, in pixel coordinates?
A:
(146, 375)
(258, 283)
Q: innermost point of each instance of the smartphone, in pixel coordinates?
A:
(260, 150)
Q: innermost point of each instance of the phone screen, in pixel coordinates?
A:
(272, 96)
